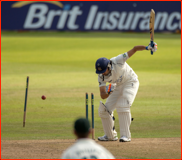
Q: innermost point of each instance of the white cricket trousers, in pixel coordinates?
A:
(123, 96)
(121, 100)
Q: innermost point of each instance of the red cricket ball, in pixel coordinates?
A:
(43, 97)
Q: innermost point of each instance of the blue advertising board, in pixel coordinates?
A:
(90, 15)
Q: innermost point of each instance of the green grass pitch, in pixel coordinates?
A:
(62, 66)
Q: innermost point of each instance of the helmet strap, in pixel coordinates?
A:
(109, 65)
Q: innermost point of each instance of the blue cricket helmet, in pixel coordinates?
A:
(101, 65)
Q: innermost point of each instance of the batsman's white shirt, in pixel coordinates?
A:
(126, 82)
(86, 149)
(120, 71)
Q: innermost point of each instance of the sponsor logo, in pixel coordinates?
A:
(40, 16)
(44, 17)
(131, 20)
(24, 3)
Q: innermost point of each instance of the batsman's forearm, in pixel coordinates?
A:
(104, 95)
(135, 49)
(139, 48)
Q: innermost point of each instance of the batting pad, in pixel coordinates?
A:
(107, 122)
(124, 123)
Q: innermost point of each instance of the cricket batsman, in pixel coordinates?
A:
(120, 93)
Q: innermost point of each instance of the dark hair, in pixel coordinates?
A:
(82, 127)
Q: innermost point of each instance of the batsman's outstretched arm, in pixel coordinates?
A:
(135, 49)
(141, 48)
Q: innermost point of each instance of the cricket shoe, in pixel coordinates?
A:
(105, 138)
(124, 139)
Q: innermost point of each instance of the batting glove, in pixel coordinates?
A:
(153, 49)
(110, 88)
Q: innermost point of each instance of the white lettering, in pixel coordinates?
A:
(91, 17)
(162, 19)
(73, 15)
(39, 16)
(98, 20)
(113, 20)
(144, 24)
(121, 25)
(50, 18)
(62, 20)
(32, 14)
(136, 19)
(173, 26)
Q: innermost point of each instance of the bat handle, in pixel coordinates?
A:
(152, 44)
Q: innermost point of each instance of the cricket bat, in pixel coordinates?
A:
(151, 27)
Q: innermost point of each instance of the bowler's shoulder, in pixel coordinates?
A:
(69, 152)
